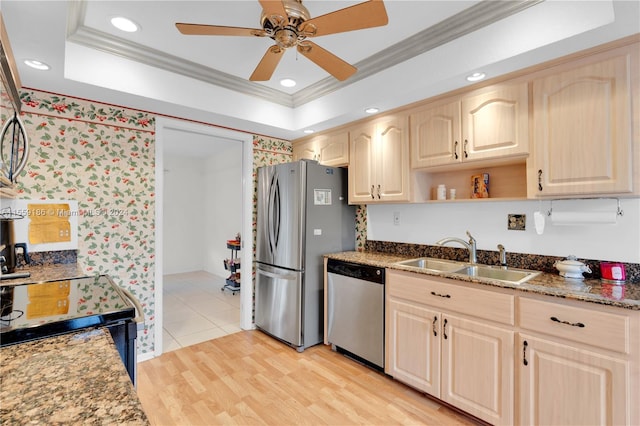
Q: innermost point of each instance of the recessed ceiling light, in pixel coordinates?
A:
(371, 110)
(309, 131)
(287, 82)
(476, 76)
(37, 64)
(124, 24)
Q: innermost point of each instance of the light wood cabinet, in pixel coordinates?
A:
(463, 360)
(487, 124)
(583, 127)
(561, 385)
(576, 365)
(413, 345)
(379, 161)
(477, 368)
(331, 149)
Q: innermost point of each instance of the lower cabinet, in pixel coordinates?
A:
(577, 365)
(561, 385)
(508, 357)
(464, 361)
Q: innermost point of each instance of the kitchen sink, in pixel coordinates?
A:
(510, 275)
(429, 263)
(489, 272)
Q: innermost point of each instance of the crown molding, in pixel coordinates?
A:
(458, 25)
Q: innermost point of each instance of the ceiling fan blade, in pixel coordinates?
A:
(357, 17)
(273, 7)
(268, 64)
(327, 60)
(201, 29)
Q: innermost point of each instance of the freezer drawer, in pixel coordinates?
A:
(279, 303)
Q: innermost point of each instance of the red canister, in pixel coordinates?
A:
(612, 271)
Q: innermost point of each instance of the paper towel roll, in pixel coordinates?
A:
(583, 218)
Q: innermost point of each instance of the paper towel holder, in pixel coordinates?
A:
(619, 211)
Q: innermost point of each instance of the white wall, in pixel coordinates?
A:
(183, 224)
(487, 222)
(223, 205)
(202, 209)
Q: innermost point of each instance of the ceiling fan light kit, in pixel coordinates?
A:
(289, 24)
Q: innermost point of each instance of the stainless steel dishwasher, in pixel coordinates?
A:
(355, 311)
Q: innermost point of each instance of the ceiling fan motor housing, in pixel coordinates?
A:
(285, 28)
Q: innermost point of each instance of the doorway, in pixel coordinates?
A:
(201, 157)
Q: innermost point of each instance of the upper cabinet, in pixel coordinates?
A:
(583, 127)
(490, 123)
(379, 161)
(331, 149)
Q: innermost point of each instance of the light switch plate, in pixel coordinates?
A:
(516, 222)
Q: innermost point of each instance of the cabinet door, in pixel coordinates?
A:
(583, 130)
(305, 151)
(361, 168)
(561, 385)
(435, 135)
(392, 159)
(413, 345)
(333, 149)
(477, 369)
(495, 123)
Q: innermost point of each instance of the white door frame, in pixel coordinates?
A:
(246, 281)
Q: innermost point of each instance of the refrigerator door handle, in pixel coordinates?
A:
(289, 276)
(274, 214)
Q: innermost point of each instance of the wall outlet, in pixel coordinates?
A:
(396, 218)
(516, 222)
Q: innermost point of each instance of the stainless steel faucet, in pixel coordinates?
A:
(471, 245)
(503, 256)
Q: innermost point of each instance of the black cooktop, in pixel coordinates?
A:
(33, 311)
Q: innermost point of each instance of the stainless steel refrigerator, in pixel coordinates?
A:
(303, 213)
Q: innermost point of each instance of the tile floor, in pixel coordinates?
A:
(196, 310)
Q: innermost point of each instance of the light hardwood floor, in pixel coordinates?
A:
(250, 378)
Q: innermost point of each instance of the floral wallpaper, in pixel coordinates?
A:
(103, 157)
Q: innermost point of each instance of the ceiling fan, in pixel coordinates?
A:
(289, 24)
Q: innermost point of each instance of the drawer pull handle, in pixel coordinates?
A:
(444, 329)
(441, 295)
(435, 321)
(372, 193)
(524, 353)
(572, 324)
(455, 150)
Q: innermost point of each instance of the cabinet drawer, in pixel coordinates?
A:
(447, 294)
(601, 329)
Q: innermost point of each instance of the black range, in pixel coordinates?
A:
(38, 310)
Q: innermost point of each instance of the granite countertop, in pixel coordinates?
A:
(75, 378)
(587, 290)
(47, 272)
